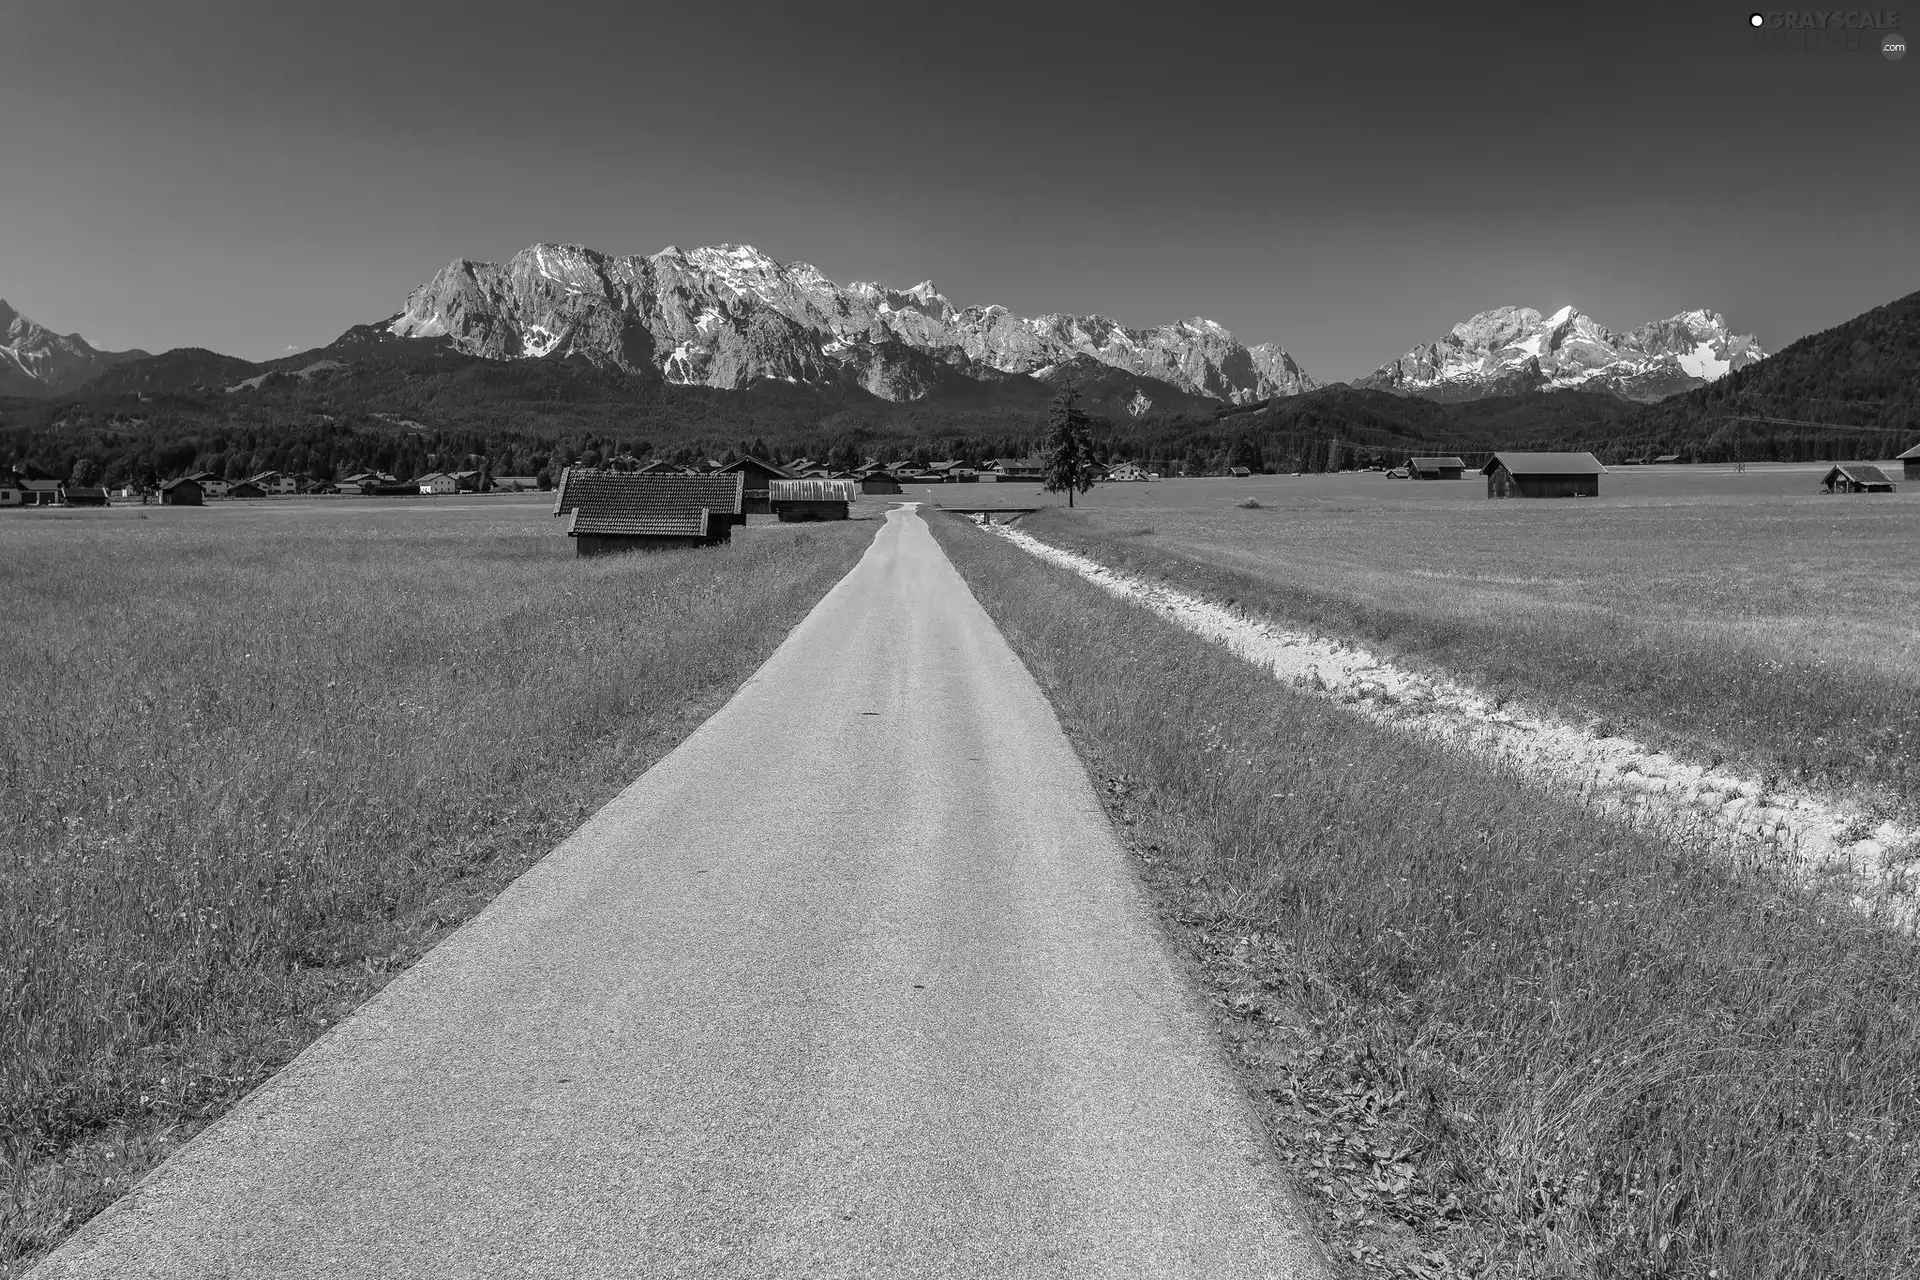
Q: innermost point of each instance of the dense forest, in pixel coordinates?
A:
(408, 407)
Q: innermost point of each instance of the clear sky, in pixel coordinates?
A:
(1344, 179)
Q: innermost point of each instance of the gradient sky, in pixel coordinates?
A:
(1346, 180)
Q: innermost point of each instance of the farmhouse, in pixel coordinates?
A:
(1435, 468)
(274, 482)
(801, 500)
(437, 482)
(1856, 477)
(1015, 469)
(627, 511)
(1127, 471)
(1912, 460)
(184, 492)
(1542, 475)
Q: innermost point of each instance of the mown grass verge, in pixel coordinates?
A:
(1491, 1034)
(249, 773)
(1709, 692)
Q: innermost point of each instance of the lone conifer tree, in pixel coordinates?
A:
(1069, 445)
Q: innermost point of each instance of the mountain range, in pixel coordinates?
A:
(1515, 350)
(731, 318)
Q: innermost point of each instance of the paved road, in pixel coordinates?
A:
(855, 982)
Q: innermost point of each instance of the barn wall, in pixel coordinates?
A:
(794, 512)
(603, 544)
(1913, 468)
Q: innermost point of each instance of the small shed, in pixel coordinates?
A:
(800, 500)
(1240, 473)
(1543, 475)
(1911, 460)
(1856, 477)
(84, 496)
(879, 482)
(1436, 468)
(1666, 460)
(630, 511)
(184, 492)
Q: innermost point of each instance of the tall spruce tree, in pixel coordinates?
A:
(1069, 445)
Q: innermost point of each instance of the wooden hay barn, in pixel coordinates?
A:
(1543, 475)
(184, 492)
(799, 500)
(630, 511)
(759, 473)
(879, 482)
(1436, 468)
(1911, 460)
(1856, 477)
(84, 496)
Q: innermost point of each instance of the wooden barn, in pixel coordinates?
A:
(184, 492)
(1436, 468)
(800, 500)
(631, 511)
(879, 482)
(759, 473)
(246, 489)
(1911, 460)
(1543, 475)
(84, 496)
(1856, 477)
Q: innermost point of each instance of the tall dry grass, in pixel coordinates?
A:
(1492, 1033)
(251, 766)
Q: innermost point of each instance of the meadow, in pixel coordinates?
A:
(260, 757)
(1491, 1032)
(1718, 614)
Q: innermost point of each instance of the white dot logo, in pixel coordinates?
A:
(1756, 19)
(1894, 47)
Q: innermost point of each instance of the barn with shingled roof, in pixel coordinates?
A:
(611, 511)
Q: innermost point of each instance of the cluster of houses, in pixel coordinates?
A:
(194, 488)
(874, 476)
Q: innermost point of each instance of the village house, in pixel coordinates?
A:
(1856, 477)
(182, 492)
(1911, 460)
(613, 511)
(437, 482)
(11, 494)
(801, 500)
(43, 493)
(1127, 471)
(273, 482)
(1014, 469)
(1436, 468)
(1543, 475)
(211, 485)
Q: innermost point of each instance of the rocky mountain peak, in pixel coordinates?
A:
(36, 361)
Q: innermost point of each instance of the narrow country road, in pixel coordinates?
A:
(855, 982)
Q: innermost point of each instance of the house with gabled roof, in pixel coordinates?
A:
(610, 511)
(759, 474)
(1543, 475)
(183, 491)
(1856, 477)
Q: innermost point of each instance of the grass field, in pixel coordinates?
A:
(1720, 614)
(259, 757)
(1491, 1033)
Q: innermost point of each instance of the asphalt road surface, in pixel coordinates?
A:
(855, 982)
